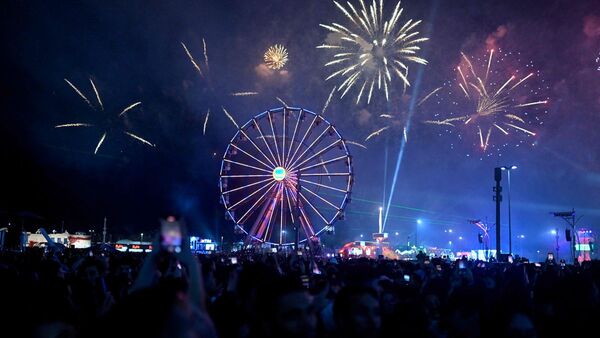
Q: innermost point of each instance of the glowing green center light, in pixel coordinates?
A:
(279, 173)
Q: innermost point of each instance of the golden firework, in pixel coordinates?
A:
(276, 57)
(372, 50)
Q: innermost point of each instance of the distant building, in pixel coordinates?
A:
(76, 241)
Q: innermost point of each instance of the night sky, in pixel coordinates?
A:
(132, 51)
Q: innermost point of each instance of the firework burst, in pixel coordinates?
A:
(101, 106)
(276, 57)
(397, 120)
(371, 51)
(203, 70)
(497, 104)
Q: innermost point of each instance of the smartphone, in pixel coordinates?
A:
(299, 253)
(510, 259)
(550, 256)
(407, 278)
(170, 235)
(438, 267)
(274, 250)
(538, 265)
(461, 264)
(233, 260)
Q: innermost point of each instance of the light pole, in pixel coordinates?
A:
(141, 237)
(508, 169)
(555, 233)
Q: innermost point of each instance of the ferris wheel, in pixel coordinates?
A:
(285, 168)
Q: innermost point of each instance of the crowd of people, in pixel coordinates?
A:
(102, 293)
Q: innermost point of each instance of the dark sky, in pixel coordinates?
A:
(132, 51)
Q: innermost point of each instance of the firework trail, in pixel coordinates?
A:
(205, 53)
(399, 119)
(356, 144)
(139, 139)
(205, 122)
(276, 57)
(100, 143)
(372, 49)
(128, 108)
(206, 75)
(230, 117)
(428, 96)
(282, 102)
(104, 134)
(495, 103)
(97, 94)
(244, 93)
(328, 100)
(79, 93)
(68, 125)
(376, 133)
(192, 60)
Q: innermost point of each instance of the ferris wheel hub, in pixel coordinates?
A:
(279, 174)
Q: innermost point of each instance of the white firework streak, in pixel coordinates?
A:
(282, 102)
(376, 133)
(67, 125)
(328, 100)
(79, 93)
(230, 117)
(139, 139)
(100, 143)
(386, 116)
(356, 144)
(428, 96)
(244, 93)
(192, 59)
(205, 122)
(205, 53)
(97, 94)
(128, 108)
(373, 49)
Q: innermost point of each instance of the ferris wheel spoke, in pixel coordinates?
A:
(265, 229)
(274, 137)
(293, 136)
(246, 165)
(257, 148)
(322, 199)
(287, 195)
(246, 186)
(323, 185)
(310, 147)
(281, 217)
(252, 194)
(326, 174)
(283, 140)
(308, 230)
(308, 130)
(246, 176)
(339, 158)
(253, 207)
(250, 155)
(316, 154)
(314, 208)
(265, 140)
